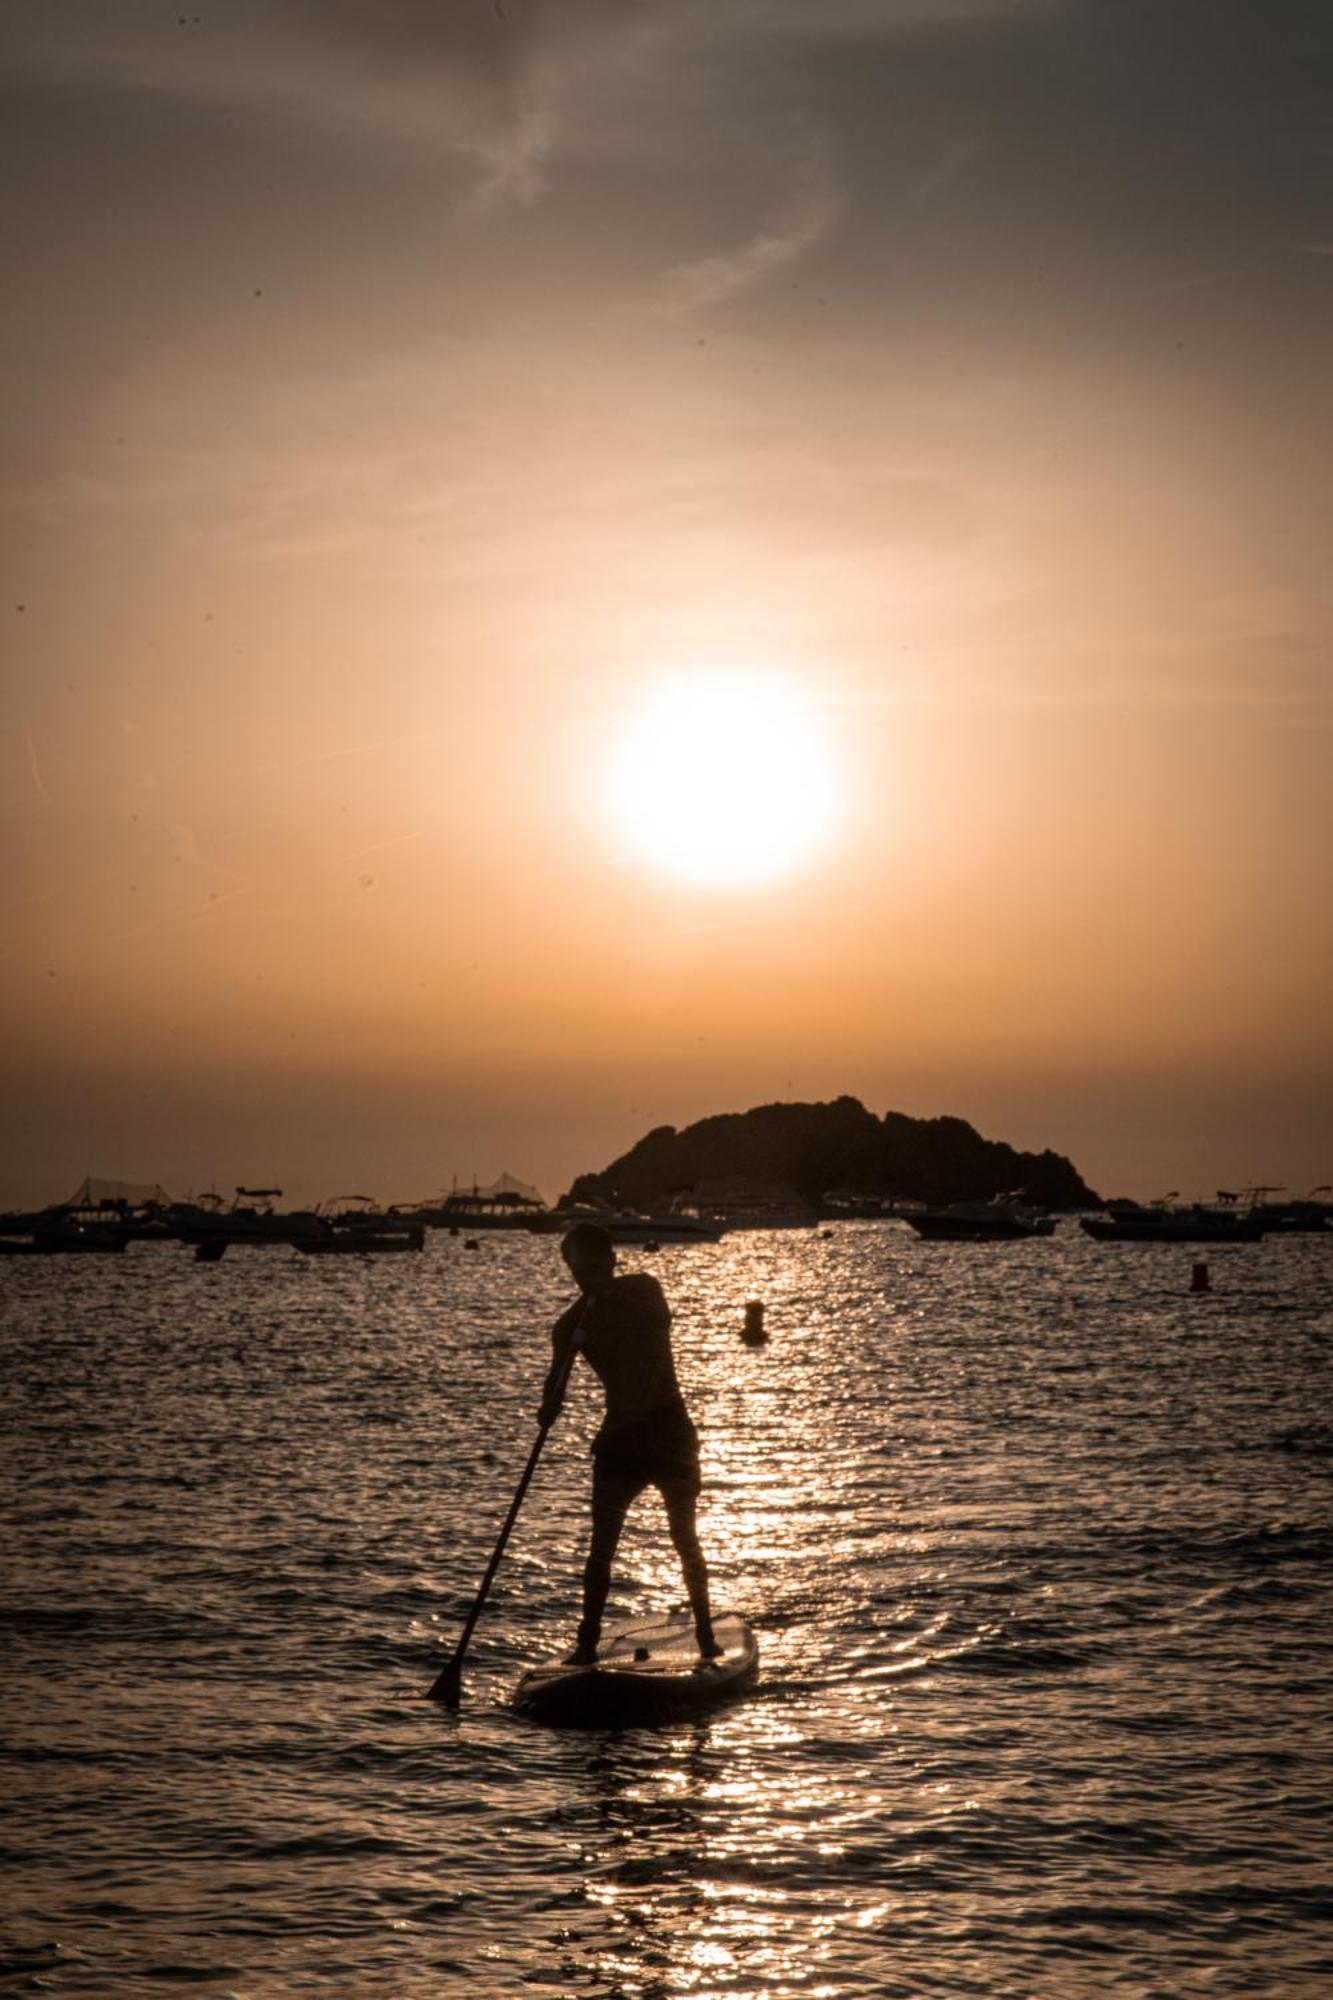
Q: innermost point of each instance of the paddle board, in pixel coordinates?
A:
(646, 1671)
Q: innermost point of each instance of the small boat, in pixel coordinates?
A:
(1158, 1222)
(764, 1214)
(628, 1226)
(645, 1672)
(1003, 1221)
(656, 1229)
(843, 1205)
(70, 1227)
(137, 1210)
(250, 1218)
(82, 1238)
(1305, 1216)
(359, 1242)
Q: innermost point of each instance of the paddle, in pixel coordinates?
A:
(448, 1683)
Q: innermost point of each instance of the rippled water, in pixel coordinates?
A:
(1037, 1544)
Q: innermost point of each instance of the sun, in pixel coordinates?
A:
(723, 778)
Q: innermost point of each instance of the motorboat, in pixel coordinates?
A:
(1160, 1222)
(1003, 1221)
(624, 1225)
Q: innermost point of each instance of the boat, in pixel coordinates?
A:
(780, 1212)
(629, 1226)
(1161, 1222)
(506, 1203)
(670, 1228)
(845, 1205)
(100, 1216)
(355, 1225)
(138, 1209)
(1003, 1221)
(1306, 1215)
(646, 1671)
(250, 1218)
(362, 1242)
(73, 1235)
(62, 1231)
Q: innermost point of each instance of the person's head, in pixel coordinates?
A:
(590, 1255)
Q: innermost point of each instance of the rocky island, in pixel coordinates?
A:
(803, 1153)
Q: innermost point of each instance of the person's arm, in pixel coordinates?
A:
(564, 1341)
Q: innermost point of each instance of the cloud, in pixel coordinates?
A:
(503, 90)
(808, 214)
(39, 783)
(456, 80)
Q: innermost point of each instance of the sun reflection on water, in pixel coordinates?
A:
(1037, 1550)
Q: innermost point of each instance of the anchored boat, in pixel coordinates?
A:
(1158, 1223)
(979, 1222)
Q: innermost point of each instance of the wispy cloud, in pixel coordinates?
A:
(808, 214)
(35, 768)
(480, 87)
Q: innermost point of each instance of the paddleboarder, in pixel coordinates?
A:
(622, 1325)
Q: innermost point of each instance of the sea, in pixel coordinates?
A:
(1037, 1541)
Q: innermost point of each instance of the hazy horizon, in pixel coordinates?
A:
(397, 399)
(393, 1155)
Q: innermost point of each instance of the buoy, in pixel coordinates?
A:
(754, 1333)
(472, 1244)
(1199, 1281)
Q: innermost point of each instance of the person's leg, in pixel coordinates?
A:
(681, 1496)
(611, 1497)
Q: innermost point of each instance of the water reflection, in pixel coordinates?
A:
(1037, 1546)
(688, 1866)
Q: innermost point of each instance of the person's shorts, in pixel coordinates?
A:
(660, 1449)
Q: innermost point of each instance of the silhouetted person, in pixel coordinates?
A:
(623, 1327)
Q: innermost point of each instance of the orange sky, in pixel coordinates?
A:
(394, 396)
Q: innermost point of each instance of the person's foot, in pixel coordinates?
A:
(583, 1655)
(709, 1649)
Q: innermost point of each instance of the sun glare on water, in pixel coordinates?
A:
(723, 778)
